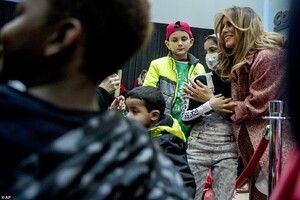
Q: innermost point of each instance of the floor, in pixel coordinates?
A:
(238, 196)
(242, 196)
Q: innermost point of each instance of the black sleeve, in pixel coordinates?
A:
(175, 149)
(104, 98)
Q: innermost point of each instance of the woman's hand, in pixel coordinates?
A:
(197, 91)
(221, 104)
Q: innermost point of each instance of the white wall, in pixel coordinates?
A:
(200, 13)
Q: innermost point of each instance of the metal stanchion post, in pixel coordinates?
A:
(276, 116)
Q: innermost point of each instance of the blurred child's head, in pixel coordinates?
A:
(69, 33)
(145, 104)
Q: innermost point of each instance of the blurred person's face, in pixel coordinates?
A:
(22, 40)
(143, 78)
(228, 33)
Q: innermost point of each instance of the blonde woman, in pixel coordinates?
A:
(253, 61)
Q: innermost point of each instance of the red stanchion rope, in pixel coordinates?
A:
(254, 159)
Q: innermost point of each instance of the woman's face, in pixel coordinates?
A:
(228, 33)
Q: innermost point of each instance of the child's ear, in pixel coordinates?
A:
(167, 44)
(67, 32)
(192, 41)
(154, 115)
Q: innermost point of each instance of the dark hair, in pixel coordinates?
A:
(151, 96)
(211, 37)
(106, 24)
(144, 71)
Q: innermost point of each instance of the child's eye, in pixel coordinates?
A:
(184, 38)
(213, 49)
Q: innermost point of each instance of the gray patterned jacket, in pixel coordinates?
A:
(110, 157)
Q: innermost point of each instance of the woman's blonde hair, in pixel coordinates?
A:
(249, 37)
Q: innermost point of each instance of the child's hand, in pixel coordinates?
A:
(118, 103)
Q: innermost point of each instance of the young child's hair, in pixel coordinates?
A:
(151, 96)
